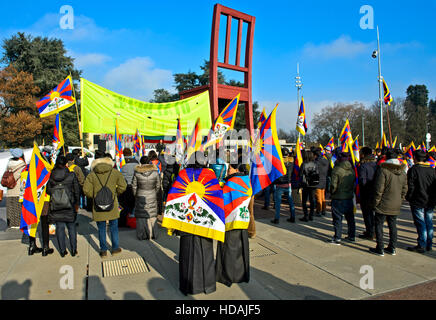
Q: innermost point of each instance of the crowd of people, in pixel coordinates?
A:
(381, 180)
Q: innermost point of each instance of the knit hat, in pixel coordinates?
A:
(16, 153)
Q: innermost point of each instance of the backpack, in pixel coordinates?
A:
(59, 199)
(8, 180)
(311, 175)
(104, 199)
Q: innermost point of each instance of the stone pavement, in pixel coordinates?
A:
(288, 261)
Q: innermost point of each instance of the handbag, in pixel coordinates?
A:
(1, 195)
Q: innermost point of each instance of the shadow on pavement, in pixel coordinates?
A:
(12, 290)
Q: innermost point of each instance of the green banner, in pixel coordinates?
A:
(100, 107)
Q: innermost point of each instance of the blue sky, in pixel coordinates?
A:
(134, 47)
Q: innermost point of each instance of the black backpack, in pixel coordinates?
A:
(60, 198)
(311, 175)
(104, 199)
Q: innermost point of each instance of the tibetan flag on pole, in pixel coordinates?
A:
(137, 140)
(409, 150)
(262, 118)
(298, 161)
(266, 160)
(432, 149)
(377, 146)
(384, 143)
(330, 146)
(323, 152)
(118, 147)
(431, 161)
(60, 98)
(394, 143)
(195, 205)
(355, 149)
(34, 192)
(58, 137)
(301, 120)
(180, 143)
(194, 142)
(423, 147)
(224, 123)
(387, 94)
(237, 194)
(345, 136)
(356, 185)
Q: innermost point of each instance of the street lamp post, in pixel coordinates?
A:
(376, 54)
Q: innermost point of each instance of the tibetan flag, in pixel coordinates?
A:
(262, 118)
(377, 146)
(409, 150)
(194, 142)
(432, 162)
(323, 152)
(224, 123)
(60, 98)
(355, 148)
(330, 146)
(237, 194)
(266, 160)
(180, 143)
(356, 184)
(34, 192)
(58, 137)
(384, 143)
(345, 136)
(137, 140)
(394, 143)
(423, 147)
(387, 94)
(432, 149)
(118, 147)
(298, 161)
(301, 120)
(195, 205)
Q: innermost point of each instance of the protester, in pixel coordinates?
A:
(76, 169)
(233, 256)
(160, 147)
(196, 255)
(127, 199)
(154, 159)
(421, 194)
(342, 193)
(309, 179)
(64, 190)
(145, 187)
(13, 207)
(169, 175)
(219, 167)
(382, 157)
(104, 175)
(283, 186)
(366, 173)
(82, 162)
(390, 189)
(323, 166)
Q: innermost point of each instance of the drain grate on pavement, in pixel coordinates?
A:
(113, 268)
(258, 250)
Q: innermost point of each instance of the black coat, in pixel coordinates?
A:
(323, 168)
(285, 179)
(69, 180)
(366, 172)
(421, 181)
(169, 175)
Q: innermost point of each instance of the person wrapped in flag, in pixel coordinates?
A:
(60, 98)
(301, 119)
(232, 256)
(195, 208)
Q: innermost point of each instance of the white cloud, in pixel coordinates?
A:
(343, 47)
(88, 59)
(138, 78)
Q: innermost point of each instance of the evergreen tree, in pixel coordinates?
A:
(416, 113)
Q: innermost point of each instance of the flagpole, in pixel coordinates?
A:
(60, 125)
(77, 113)
(380, 84)
(389, 125)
